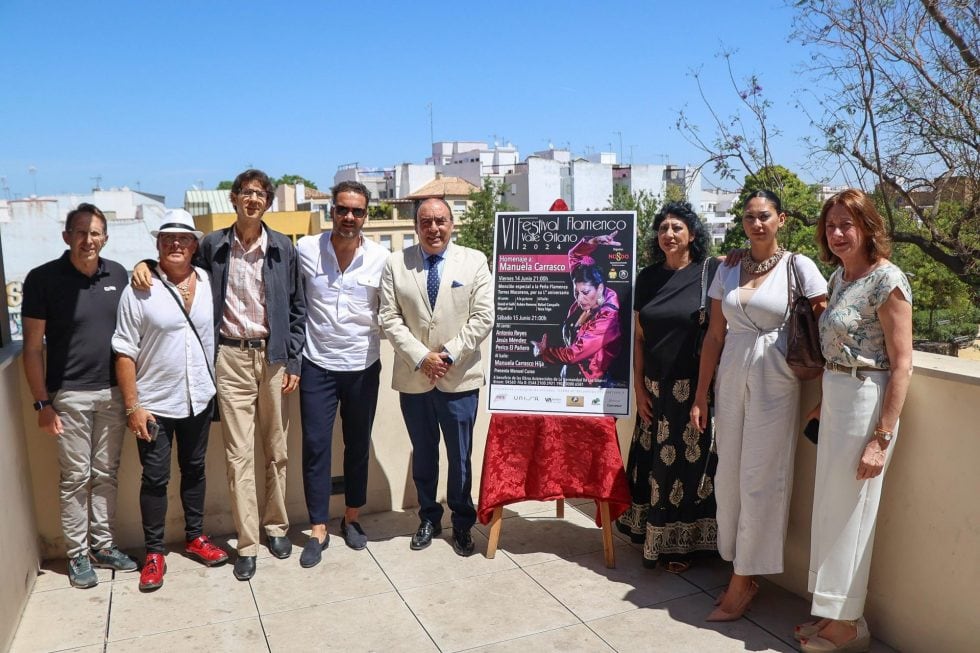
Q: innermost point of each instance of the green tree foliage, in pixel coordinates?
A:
(894, 102)
(674, 193)
(225, 185)
(934, 290)
(477, 222)
(645, 206)
(294, 179)
(380, 211)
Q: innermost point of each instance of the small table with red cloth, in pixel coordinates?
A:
(549, 457)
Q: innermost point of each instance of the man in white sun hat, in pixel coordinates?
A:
(164, 344)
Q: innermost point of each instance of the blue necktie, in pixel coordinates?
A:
(432, 282)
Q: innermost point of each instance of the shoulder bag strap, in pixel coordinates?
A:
(702, 313)
(180, 304)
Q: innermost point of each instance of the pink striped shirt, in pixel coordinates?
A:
(244, 313)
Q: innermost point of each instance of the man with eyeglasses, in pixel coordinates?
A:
(71, 303)
(341, 362)
(259, 313)
(436, 309)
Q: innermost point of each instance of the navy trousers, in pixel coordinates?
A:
(320, 391)
(455, 414)
(191, 435)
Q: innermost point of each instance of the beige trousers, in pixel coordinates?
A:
(94, 425)
(250, 396)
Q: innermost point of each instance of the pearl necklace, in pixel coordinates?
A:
(751, 267)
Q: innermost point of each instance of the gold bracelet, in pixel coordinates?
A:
(884, 435)
(132, 409)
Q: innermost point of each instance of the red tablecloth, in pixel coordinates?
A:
(546, 457)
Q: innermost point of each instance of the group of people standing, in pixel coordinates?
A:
(713, 335)
(230, 322)
(222, 327)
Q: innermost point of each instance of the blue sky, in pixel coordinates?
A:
(171, 94)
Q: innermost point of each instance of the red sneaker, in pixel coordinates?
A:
(201, 548)
(151, 577)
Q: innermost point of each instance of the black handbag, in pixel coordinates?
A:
(803, 353)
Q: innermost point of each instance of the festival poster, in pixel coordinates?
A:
(563, 290)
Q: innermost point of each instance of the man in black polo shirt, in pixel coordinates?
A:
(71, 302)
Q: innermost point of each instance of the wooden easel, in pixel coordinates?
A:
(607, 535)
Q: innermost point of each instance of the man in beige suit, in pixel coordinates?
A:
(436, 309)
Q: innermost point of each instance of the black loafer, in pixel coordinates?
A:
(310, 557)
(244, 567)
(462, 542)
(280, 547)
(423, 536)
(353, 534)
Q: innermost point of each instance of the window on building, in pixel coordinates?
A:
(408, 240)
(385, 240)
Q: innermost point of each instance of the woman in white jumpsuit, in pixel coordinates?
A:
(757, 400)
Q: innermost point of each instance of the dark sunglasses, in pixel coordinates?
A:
(340, 211)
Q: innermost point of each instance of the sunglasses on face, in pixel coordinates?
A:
(340, 211)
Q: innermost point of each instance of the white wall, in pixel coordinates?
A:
(591, 185)
(409, 177)
(18, 541)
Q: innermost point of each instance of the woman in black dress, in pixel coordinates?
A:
(671, 466)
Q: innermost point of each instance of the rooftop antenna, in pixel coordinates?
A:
(32, 171)
(98, 182)
(620, 145)
(5, 187)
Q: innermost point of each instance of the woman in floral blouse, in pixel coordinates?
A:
(866, 337)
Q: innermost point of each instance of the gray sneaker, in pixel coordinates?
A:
(80, 572)
(113, 558)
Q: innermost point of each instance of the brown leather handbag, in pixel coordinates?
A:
(803, 353)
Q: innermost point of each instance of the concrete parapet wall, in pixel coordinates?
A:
(925, 572)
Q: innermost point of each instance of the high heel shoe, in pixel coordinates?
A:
(860, 644)
(721, 615)
(809, 629)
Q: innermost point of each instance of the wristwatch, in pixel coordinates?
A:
(38, 405)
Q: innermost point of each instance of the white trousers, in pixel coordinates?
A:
(845, 509)
(756, 417)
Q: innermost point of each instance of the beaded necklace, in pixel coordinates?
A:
(751, 267)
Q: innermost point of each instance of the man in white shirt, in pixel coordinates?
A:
(341, 362)
(164, 345)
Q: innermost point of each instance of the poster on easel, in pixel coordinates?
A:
(563, 290)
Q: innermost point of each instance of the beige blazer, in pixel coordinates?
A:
(462, 319)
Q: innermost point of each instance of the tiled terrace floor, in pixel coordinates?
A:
(546, 590)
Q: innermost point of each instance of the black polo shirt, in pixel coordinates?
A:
(80, 317)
